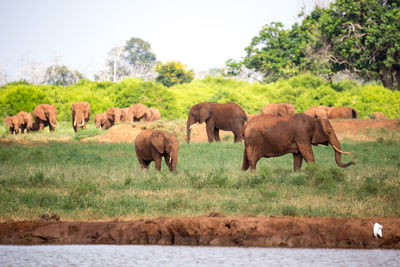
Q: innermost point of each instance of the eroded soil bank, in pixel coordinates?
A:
(210, 231)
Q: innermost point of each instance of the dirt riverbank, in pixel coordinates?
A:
(213, 230)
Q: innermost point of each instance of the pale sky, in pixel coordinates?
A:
(201, 34)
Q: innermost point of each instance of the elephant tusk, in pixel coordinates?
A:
(53, 124)
(74, 123)
(190, 127)
(83, 122)
(340, 151)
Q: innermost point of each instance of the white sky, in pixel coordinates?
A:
(202, 34)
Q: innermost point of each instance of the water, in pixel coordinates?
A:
(129, 255)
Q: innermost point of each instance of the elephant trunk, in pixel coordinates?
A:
(83, 122)
(336, 146)
(190, 122)
(29, 125)
(53, 122)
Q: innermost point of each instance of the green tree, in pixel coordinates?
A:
(361, 38)
(272, 53)
(61, 75)
(134, 59)
(364, 38)
(173, 72)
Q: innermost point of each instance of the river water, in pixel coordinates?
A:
(131, 255)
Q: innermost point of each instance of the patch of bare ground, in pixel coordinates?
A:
(356, 130)
(289, 232)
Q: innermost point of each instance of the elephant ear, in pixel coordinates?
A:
(157, 139)
(325, 126)
(282, 110)
(140, 110)
(148, 115)
(8, 121)
(205, 112)
(39, 112)
(21, 117)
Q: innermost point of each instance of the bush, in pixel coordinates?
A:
(21, 97)
(302, 91)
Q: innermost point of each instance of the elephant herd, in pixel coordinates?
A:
(46, 115)
(24, 122)
(323, 112)
(135, 112)
(278, 130)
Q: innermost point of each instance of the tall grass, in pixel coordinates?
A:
(104, 181)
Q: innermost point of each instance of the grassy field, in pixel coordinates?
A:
(94, 181)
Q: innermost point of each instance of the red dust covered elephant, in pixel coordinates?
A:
(266, 136)
(45, 115)
(227, 117)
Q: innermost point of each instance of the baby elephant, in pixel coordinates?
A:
(153, 145)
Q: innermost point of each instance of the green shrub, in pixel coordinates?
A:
(302, 91)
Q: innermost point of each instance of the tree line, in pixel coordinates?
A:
(303, 91)
(357, 38)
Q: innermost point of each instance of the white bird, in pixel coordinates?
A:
(378, 230)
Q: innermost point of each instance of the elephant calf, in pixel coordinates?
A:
(152, 145)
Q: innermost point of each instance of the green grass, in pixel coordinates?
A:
(104, 181)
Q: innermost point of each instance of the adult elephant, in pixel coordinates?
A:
(152, 145)
(138, 112)
(152, 114)
(13, 124)
(227, 117)
(80, 115)
(280, 109)
(114, 115)
(343, 113)
(101, 121)
(26, 121)
(126, 114)
(45, 115)
(266, 136)
(322, 112)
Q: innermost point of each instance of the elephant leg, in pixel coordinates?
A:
(297, 161)
(252, 157)
(157, 157)
(237, 133)
(41, 126)
(306, 152)
(158, 163)
(216, 135)
(210, 130)
(236, 137)
(144, 164)
(245, 164)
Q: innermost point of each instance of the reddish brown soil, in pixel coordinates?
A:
(345, 129)
(214, 231)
